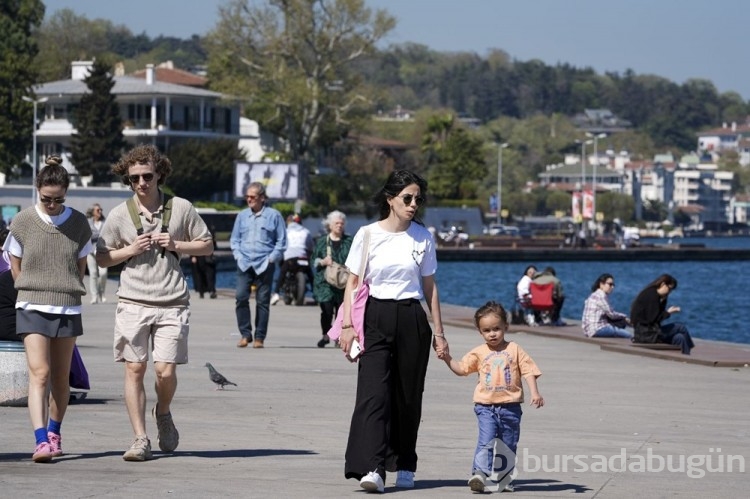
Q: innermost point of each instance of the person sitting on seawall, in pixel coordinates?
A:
(8, 295)
(334, 247)
(299, 245)
(97, 274)
(648, 311)
(599, 318)
(558, 296)
(523, 294)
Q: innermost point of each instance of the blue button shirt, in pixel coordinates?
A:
(258, 239)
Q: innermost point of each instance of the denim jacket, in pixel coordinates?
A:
(258, 239)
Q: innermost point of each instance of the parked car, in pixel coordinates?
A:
(503, 230)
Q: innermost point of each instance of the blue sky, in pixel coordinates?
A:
(676, 40)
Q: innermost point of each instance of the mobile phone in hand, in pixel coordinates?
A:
(355, 350)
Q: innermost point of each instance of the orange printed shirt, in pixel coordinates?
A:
(499, 373)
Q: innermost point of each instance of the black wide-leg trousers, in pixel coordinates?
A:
(390, 383)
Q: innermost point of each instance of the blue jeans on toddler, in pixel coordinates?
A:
(501, 421)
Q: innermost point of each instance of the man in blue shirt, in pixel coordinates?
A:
(258, 242)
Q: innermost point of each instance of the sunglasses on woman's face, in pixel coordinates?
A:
(134, 179)
(408, 198)
(46, 200)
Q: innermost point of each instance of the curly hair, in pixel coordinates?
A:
(53, 174)
(144, 154)
(491, 308)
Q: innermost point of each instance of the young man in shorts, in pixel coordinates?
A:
(153, 295)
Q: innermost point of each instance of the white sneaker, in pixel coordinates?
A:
(476, 482)
(372, 482)
(103, 300)
(94, 300)
(509, 487)
(405, 479)
(275, 298)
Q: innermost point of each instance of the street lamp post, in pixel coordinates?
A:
(583, 178)
(596, 138)
(34, 162)
(500, 148)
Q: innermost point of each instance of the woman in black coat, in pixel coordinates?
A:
(648, 311)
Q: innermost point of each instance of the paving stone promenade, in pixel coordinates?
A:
(282, 431)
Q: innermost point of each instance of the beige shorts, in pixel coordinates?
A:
(166, 327)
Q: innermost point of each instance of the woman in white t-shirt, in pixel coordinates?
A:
(400, 271)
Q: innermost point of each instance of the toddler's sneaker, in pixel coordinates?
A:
(139, 451)
(405, 479)
(168, 438)
(477, 481)
(55, 444)
(372, 482)
(509, 487)
(42, 453)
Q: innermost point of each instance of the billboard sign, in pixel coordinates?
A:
(281, 179)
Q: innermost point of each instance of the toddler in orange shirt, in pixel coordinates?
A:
(498, 395)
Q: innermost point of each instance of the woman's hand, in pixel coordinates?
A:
(440, 345)
(346, 339)
(325, 262)
(673, 309)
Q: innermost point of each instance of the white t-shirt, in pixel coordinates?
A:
(397, 261)
(299, 243)
(523, 287)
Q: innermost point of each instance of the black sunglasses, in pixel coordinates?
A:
(134, 179)
(46, 200)
(408, 198)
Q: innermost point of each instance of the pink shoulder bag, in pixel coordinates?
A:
(359, 300)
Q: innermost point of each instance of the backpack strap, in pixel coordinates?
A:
(165, 218)
(133, 210)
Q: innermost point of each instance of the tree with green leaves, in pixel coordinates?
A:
(455, 159)
(98, 141)
(615, 205)
(292, 62)
(203, 167)
(18, 21)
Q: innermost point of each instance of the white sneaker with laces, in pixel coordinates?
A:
(372, 482)
(275, 298)
(477, 481)
(405, 479)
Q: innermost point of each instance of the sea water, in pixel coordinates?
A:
(713, 296)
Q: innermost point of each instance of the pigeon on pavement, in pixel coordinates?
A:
(217, 377)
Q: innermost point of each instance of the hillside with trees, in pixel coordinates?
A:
(319, 89)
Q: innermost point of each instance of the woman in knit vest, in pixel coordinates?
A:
(48, 246)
